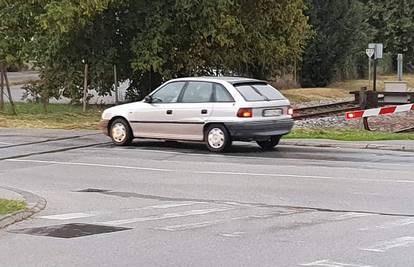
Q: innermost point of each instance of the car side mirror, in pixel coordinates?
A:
(148, 99)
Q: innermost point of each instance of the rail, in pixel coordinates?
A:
(325, 110)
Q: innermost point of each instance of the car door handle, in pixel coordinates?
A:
(169, 112)
(204, 111)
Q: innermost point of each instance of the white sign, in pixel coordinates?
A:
(379, 49)
(370, 52)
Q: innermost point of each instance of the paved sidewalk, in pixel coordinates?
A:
(393, 145)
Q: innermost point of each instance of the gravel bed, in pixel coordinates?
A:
(320, 102)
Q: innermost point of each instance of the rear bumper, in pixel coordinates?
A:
(103, 125)
(259, 130)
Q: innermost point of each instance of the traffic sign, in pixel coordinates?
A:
(370, 52)
(379, 49)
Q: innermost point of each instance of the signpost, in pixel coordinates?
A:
(400, 66)
(378, 54)
(370, 52)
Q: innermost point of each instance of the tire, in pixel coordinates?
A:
(217, 138)
(270, 143)
(120, 132)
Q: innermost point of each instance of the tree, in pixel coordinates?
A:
(14, 35)
(342, 33)
(393, 21)
(151, 41)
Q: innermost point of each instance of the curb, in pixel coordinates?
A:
(351, 146)
(35, 204)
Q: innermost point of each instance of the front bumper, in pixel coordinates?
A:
(103, 125)
(259, 130)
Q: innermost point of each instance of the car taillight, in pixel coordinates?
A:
(245, 113)
(290, 111)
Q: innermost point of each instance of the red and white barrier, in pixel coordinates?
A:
(378, 111)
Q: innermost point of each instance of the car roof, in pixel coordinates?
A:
(231, 80)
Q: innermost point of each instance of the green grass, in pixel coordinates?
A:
(10, 206)
(347, 135)
(58, 116)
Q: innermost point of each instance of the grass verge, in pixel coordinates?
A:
(10, 206)
(347, 135)
(59, 116)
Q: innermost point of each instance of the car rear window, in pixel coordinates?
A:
(259, 92)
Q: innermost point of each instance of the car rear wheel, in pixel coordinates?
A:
(217, 138)
(270, 143)
(121, 133)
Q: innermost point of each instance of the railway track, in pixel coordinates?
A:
(325, 110)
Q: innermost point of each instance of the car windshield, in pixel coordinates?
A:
(259, 92)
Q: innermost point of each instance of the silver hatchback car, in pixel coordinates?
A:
(214, 110)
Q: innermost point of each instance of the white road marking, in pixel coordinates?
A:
(390, 225)
(3, 143)
(313, 177)
(164, 216)
(189, 226)
(164, 206)
(68, 216)
(234, 234)
(405, 241)
(351, 215)
(329, 263)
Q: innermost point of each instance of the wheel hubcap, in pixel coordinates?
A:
(216, 138)
(119, 132)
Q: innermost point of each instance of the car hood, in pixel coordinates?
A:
(121, 110)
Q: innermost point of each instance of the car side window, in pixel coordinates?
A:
(198, 92)
(169, 93)
(222, 95)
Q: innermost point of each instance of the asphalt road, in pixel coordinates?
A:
(171, 204)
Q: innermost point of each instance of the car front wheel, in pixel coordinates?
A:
(217, 138)
(121, 133)
(270, 143)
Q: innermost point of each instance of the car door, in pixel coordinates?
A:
(224, 108)
(194, 110)
(156, 119)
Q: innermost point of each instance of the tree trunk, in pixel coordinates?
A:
(45, 101)
(1, 92)
(116, 85)
(4, 74)
(85, 87)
